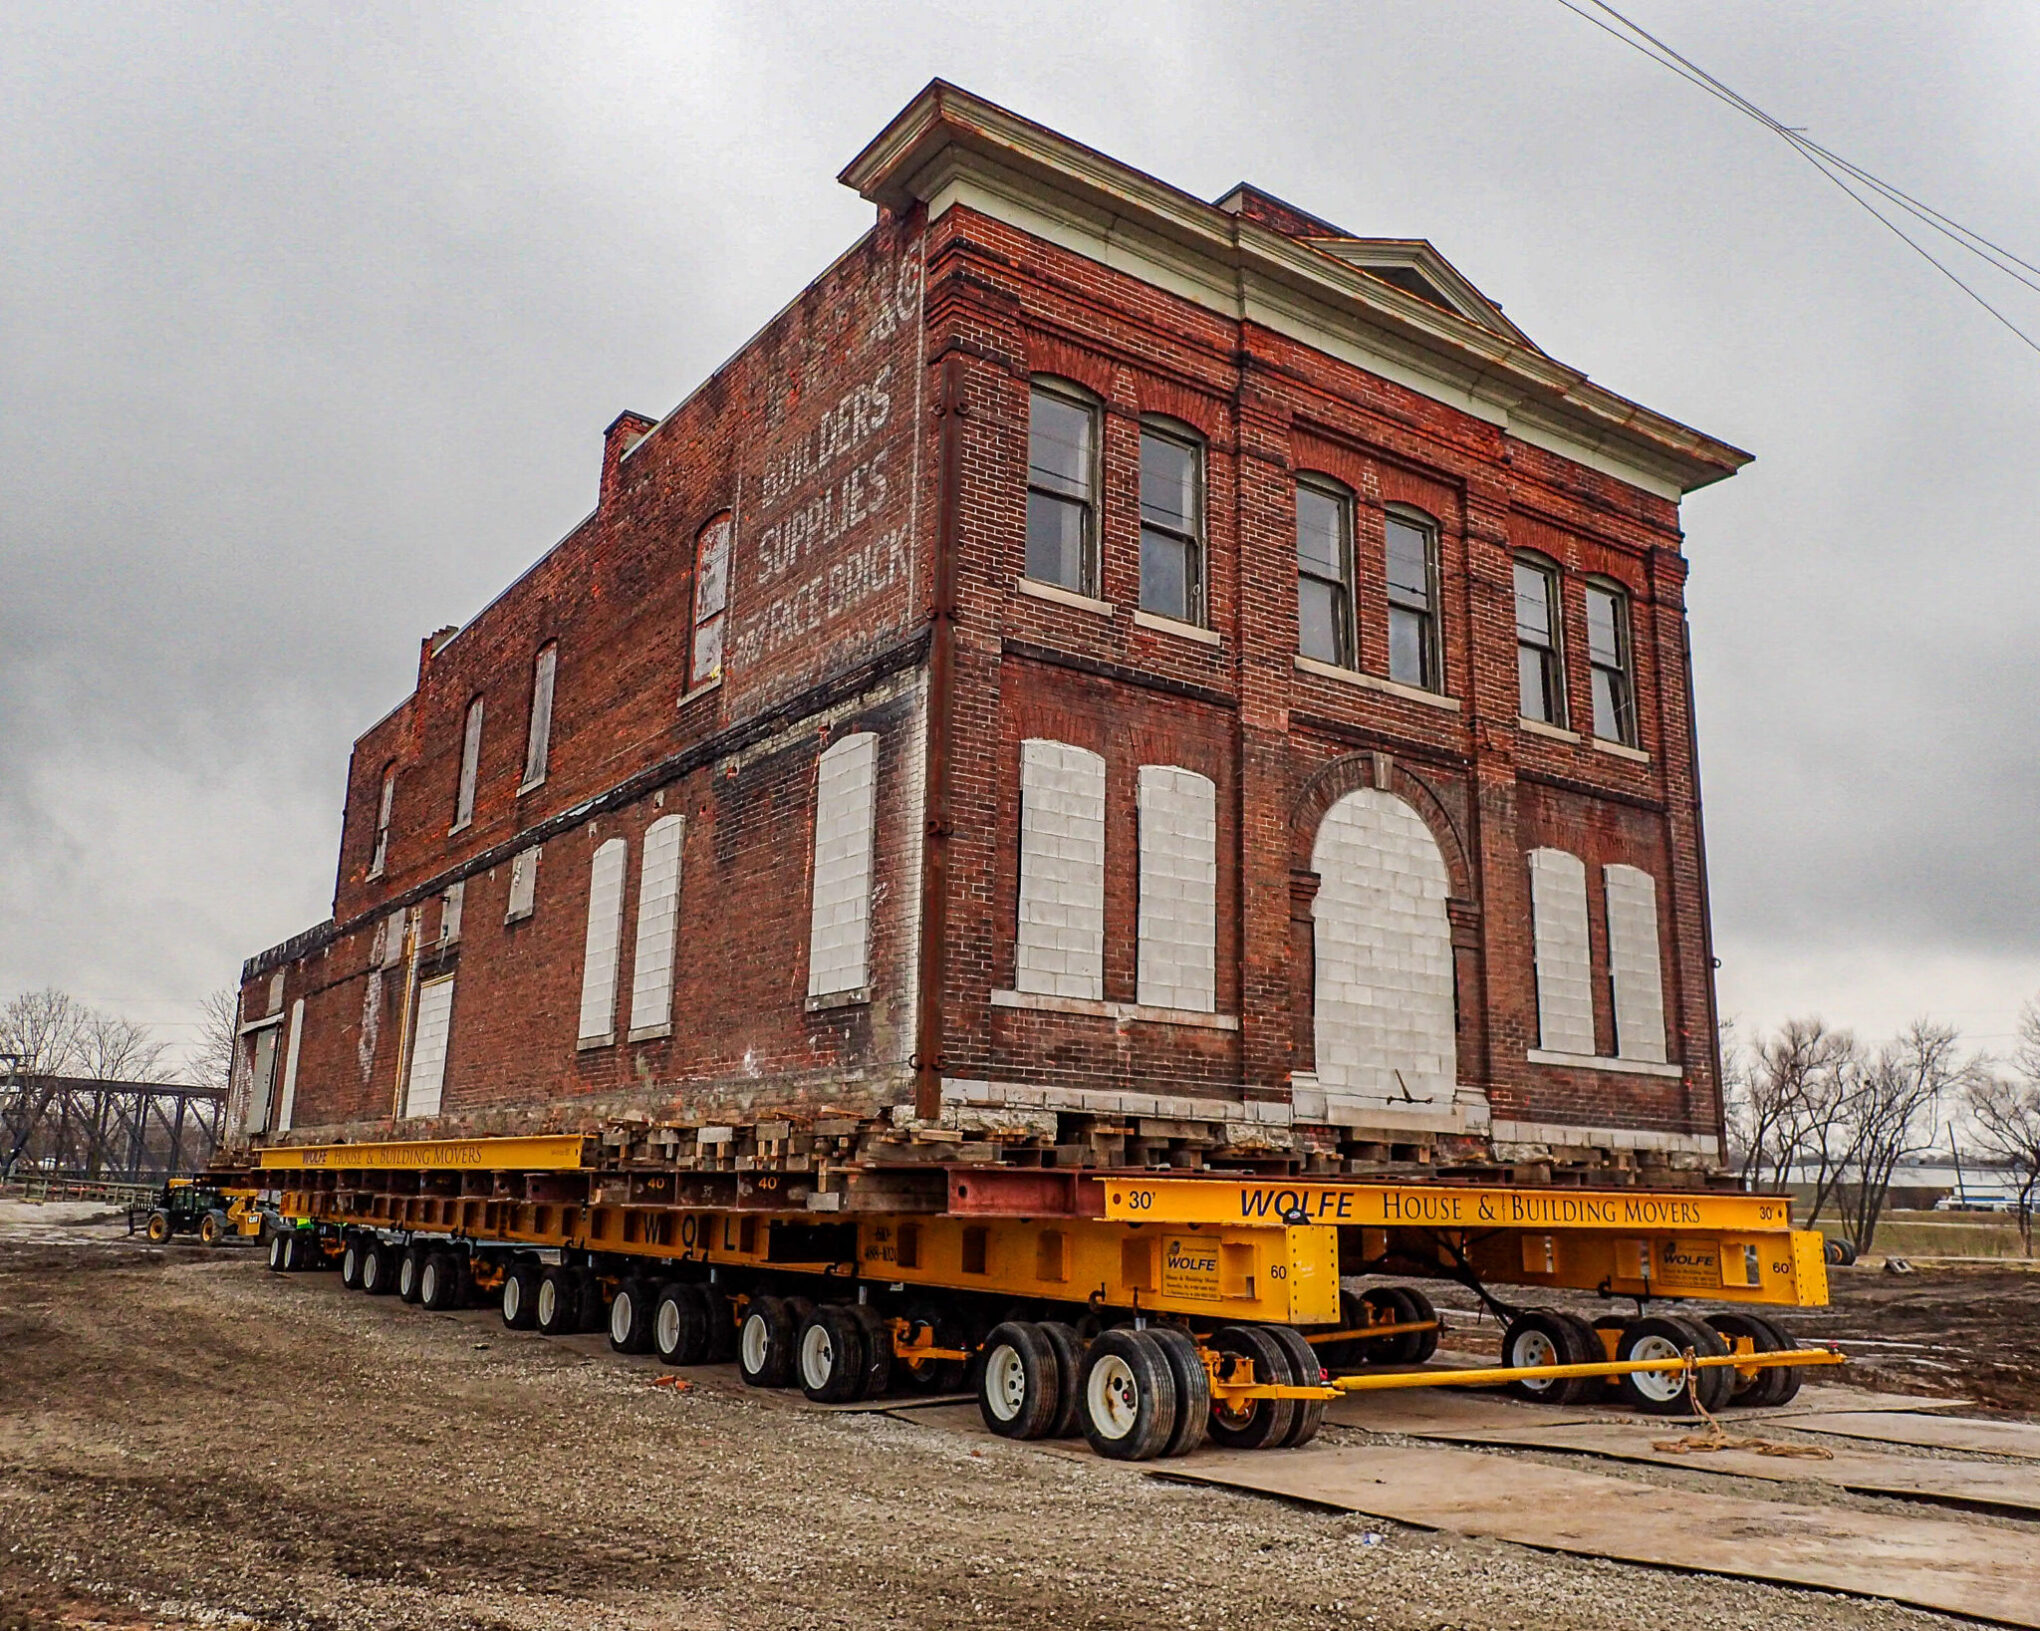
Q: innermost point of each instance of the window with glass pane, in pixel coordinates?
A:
(1324, 575)
(1171, 527)
(1062, 466)
(1537, 666)
(1608, 652)
(1413, 603)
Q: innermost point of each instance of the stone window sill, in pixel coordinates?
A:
(1593, 1061)
(587, 1044)
(1558, 733)
(854, 998)
(1041, 1002)
(700, 690)
(1621, 750)
(651, 1033)
(1058, 595)
(1374, 682)
(1175, 626)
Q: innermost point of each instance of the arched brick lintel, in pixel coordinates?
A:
(1390, 775)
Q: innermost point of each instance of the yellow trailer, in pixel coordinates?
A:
(1146, 1310)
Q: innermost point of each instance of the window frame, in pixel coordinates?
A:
(386, 798)
(1343, 498)
(470, 773)
(719, 528)
(1433, 637)
(1627, 732)
(545, 674)
(1075, 396)
(1553, 660)
(1174, 431)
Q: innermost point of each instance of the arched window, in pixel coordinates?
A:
(1540, 664)
(658, 926)
(1608, 651)
(1414, 649)
(379, 857)
(1563, 955)
(470, 765)
(711, 599)
(1176, 962)
(839, 928)
(1324, 572)
(538, 729)
(1059, 944)
(604, 944)
(1171, 522)
(1062, 486)
(1386, 1022)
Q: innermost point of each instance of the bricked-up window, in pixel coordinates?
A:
(1540, 672)
(523, 884)
(1171, 523)
(1059, 946)
(287, 1106)
(1412, 548)
(538, 734)
(604, 944)
(1062, 487)
(658, 925)
(470, 765)
(1324, 573)
(433, 1031)
(711, 599)
(1634, 971)
(1608, 652)
(839, 925)
(1565, 986)
(380, 858)
(1178, 926)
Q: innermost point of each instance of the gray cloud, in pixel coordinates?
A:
(309, 324)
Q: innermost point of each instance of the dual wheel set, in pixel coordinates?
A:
(1555, 1336)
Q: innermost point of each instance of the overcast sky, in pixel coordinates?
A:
(311, 318)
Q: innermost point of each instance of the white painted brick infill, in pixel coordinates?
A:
(839, 929)
(1059, 949)
(1565, 986)
(427, 1077)
(1178, 959)
(1385, 1023)
(658, 921)
(1633, 957)
(605, 932)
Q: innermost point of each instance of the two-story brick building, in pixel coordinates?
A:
(1102, 677)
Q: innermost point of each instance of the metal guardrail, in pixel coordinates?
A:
(40, 1188)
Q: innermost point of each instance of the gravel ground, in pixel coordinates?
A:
(187, 1439)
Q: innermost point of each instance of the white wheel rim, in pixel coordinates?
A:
(817, 1357)
(513, 1295)
(407, 1276)
(548, 1301)
(1534, 1348)
(371, 1272)
(1659, 1386)
(1113, 1397)
(428, 1282)
(1005, 1382)
(756, 1338)
(620, 1318)
(668, 1333)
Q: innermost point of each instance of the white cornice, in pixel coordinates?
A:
(948, 148)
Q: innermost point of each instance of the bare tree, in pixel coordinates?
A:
(2005, 1113)
(1893, 1111)
(118, 1050)
(212, 1059)
(42, 1029)
(1787, 1106)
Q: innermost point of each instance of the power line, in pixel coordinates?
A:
(1833, 167)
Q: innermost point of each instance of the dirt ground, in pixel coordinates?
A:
(186, 1439)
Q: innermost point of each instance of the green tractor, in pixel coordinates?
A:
(187, 1207)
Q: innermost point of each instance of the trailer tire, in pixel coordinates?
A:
(1664, 1336)
(878, 1351)
(1716, 1384)
(351, 1257)
(558, 1304)
(1129, 1396)
(1423, 1344)
(680, 1324)
(442, 1282)
(934, 1375)
(520, 1296)
(159, 1229)
(1545, 1336)
(722, 1326)
(213, 1227)
(829, 1354)
(1020, 1383)
(1193, 1388)
(379, 1269)
(630, 1317)
(1733, 1326)
(1784, 1379)
(1068, 1349)
(1304, 1371)
(410, 1273)
(276, 1254)
(1258, 1424)
(765, 1342)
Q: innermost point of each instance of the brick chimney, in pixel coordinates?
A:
(625, 431)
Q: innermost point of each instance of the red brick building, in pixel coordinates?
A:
(1101, 677)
